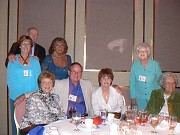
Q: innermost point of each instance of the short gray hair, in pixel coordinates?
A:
(143, 45)
(162, 80)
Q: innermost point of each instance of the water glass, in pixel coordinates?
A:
(103, 115)
(172, 124)
(154, 120)
(76, 119)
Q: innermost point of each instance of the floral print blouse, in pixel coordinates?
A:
(42, 108)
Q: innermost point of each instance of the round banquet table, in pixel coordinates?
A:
(65, 127)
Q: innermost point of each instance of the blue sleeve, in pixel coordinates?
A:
(158, 72)
(45, 63)
(37, 69)
(11, 76)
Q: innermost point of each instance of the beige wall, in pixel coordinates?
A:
(75, 36)
(3, 50)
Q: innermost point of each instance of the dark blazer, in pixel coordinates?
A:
(39, 51)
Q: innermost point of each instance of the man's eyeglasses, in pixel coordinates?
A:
(78, 72)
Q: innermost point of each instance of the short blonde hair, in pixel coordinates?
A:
(46, 74)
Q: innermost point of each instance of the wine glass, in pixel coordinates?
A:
(154, 120)
(103, 115)
(76, 119)
(129, 117)
(143, 115)
(71, 111)
(172, 123)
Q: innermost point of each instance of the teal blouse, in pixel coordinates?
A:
(143, 81)
(22, 79)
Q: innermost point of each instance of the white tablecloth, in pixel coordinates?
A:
(64, 127)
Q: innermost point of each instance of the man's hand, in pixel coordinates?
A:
(11, 57)
(119, 90)
(19, 99)
(36, 57)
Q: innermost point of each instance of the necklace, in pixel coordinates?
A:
(24, 60)
(59, 61)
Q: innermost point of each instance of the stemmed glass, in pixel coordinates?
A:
(71, 111)
(129, 117)
(143, 115)
(103, 115)
(172, 123)
(154, 120)
(76, 119)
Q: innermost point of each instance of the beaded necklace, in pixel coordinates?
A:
(24, 60)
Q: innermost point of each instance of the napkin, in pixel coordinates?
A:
(37, 130)
(163, 125)
(97, 120)
(177, 129)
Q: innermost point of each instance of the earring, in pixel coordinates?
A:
(54, 54)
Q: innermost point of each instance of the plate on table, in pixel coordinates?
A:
(83, 127)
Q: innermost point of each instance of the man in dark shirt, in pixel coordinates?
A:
(37, 50)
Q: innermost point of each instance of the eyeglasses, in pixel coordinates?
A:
(78, 72)
(168, 83)
(46, 83)
(142, 51)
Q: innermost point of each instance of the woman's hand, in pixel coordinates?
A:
(133, 101)
(19, 99)
(12, 57)
(119, 90)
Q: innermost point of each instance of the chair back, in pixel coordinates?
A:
(126, 94)
(19, 111)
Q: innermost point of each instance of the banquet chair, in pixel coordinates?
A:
(124, 101)
(126, 94)
(19, 111)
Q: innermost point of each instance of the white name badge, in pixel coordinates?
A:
(72, 98)
(142, 78)
(25, 72)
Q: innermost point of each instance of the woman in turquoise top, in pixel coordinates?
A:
(22, 74)
(57, 61)
(144, 76)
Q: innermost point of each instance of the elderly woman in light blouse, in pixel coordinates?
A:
(106, 97)
(144, 76)
(42, 107)
(165, 101)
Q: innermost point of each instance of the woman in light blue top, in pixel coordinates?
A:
(57, 61)
(22, 74)
(144, 76)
